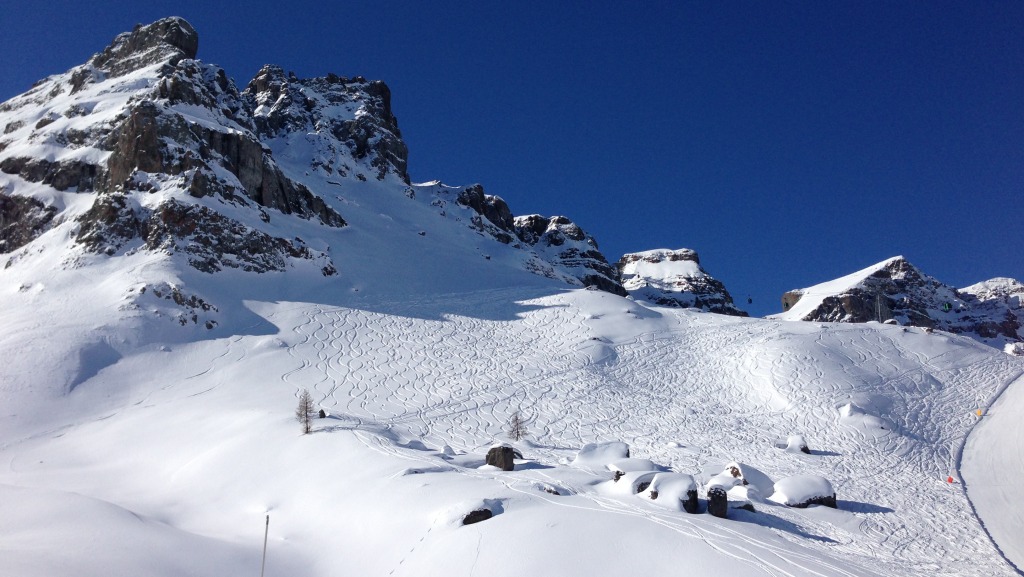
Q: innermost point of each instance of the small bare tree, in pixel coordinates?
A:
(516, 427)
(304, 412)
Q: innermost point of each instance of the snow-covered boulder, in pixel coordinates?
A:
(629, 465)
(795, 444)
(717, 489)
(631, 483)
(749, 476)
(598, 455)
(502, 457)
(677, 491)
(803, 490)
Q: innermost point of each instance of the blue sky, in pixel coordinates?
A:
(789, 143)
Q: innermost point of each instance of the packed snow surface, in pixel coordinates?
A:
(188, 446)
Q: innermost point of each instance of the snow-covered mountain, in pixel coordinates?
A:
(896, 291)
(174, 160)
(674, 278)
(181, 260)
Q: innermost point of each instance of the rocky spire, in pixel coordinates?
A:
(167, 40)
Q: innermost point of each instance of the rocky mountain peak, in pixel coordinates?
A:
(896, 291)
(167, 40)
(674, 278)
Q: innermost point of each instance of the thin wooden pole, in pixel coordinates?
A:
(266, 532)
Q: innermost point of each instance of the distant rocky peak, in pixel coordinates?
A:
(167, 40)
(895, 291)
(348, 121)
(674, 278)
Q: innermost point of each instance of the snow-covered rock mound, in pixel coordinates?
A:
(804, 490)
(676, 491)
(674, 278)
(896, 291)
(600, 455)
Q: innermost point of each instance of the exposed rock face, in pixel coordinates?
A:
(501, 457)
(186, 132)
(565, 244)
(21, 221)
(65, 175)
(718, 502)
(213, 241)
(348, 121)
(167, 40)
(995, 309)
(497, 218)
(176, 160)
(896, 291)
(674, 278)
(477, 516)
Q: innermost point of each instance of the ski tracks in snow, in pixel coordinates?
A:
(691, 395)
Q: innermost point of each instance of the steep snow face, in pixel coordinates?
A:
(339, 127)
(896, 291)
(674, 278)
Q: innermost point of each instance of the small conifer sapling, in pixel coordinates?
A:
(304, 412)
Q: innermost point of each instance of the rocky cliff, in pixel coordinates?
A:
(674, 278)
(145, 149)
(895, 291)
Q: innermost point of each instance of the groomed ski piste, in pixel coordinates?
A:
(167, 461)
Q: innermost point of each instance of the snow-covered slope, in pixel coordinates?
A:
(196, 442)
(674, 278)
(896, 291)
(151, 368)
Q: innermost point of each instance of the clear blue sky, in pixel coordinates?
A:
(789, 143)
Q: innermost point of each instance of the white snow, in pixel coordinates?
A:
(131, 444)
(800, 489)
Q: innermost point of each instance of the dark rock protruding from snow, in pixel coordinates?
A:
(22, 219)
(477, 516)
(896, 291)
(502, 457)
(561, 242)
(718, 502)
(349, 122)
(674, 278)
(167, 40)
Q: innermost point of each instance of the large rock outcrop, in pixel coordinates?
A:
(184, 132)
(560, 241)
(896, 291)
(348, 122)
(674, 278)
(22, 219)
(178, 160)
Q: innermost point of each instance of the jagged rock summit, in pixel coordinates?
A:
(896, 291)
(674, 278)
(146, 152)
